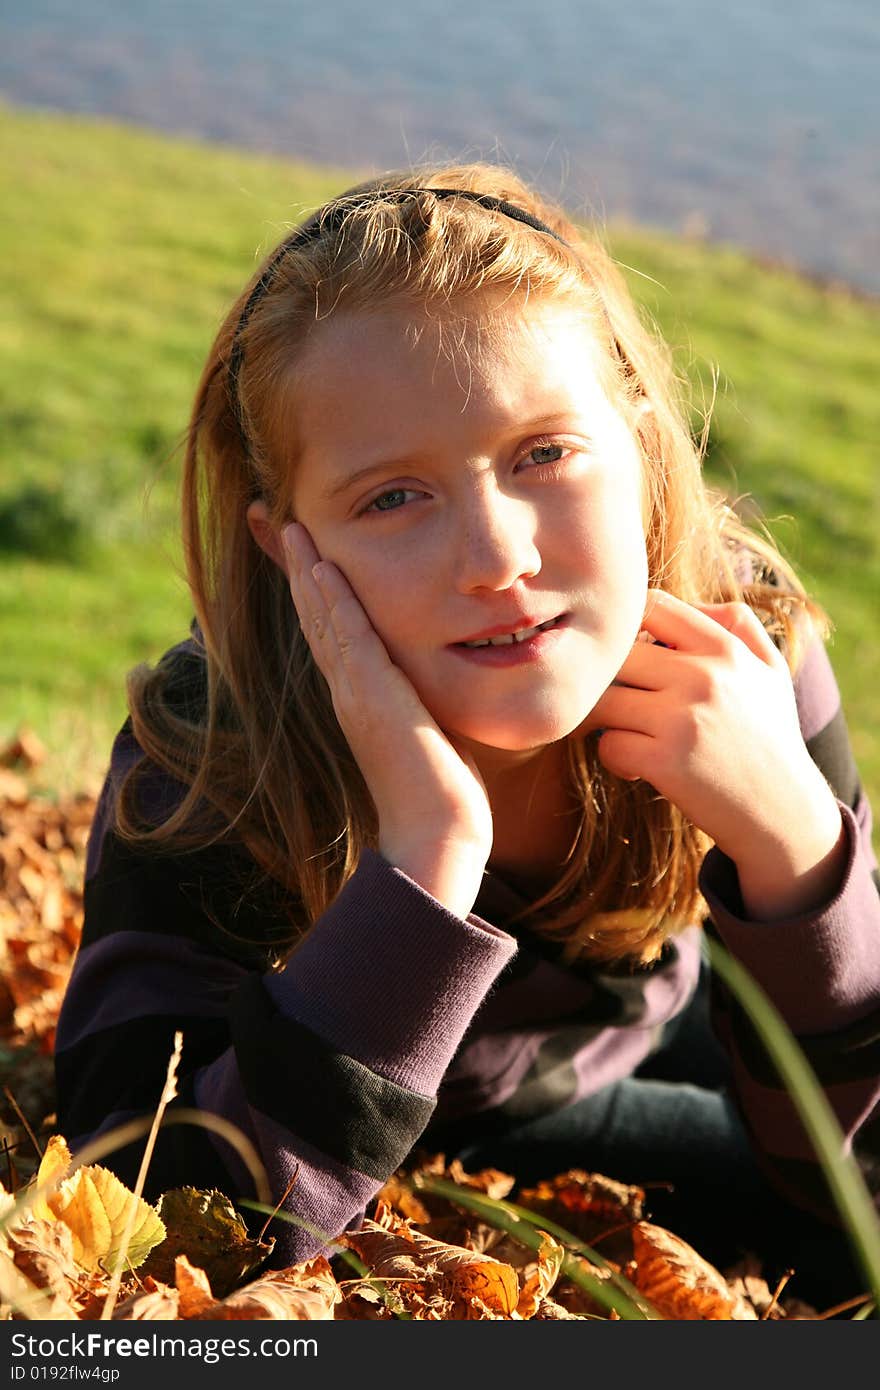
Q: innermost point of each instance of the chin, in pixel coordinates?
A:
(518, 734)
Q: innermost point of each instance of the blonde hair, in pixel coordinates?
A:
(264, 764)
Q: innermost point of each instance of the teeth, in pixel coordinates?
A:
(509, 638)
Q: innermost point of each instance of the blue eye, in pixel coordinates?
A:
(558, 449)
(378, 501)
(543, 456)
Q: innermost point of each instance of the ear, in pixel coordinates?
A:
(266, 535)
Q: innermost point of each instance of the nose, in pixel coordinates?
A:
(496, 541)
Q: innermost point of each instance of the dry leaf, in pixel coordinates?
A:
(548, 1311)
(193, 1287)
(432, 1278)
(679, 1282)
(396, 1194)
(366, 1301)
(542, 1277)
(205, 1227)
(155, 1303)
(590, 1206)
(304, 1292)
(43, 1252)
(28, 1299)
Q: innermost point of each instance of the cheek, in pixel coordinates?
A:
(393, 600)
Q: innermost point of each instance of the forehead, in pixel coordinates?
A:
(405, 362)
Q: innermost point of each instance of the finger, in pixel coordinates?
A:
(356, 653)
(743, 622)
(299, 546)
(308, 600)
(625, 754)
(681, 625)
(627, 709)
(647, 666)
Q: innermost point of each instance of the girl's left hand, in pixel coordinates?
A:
(710, 720)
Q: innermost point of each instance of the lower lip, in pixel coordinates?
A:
(515, 653)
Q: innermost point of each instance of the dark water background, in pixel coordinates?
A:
(757, 123)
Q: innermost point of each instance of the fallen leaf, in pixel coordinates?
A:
(95, 1206)
(431, 1277)
(542, 1276)
(43, 1252)
(305, 1292)
(205, 1226)
(548, 1311)
(193, 1287)
(590, 1206)
(679, 1282)
(155, 1303)
(27, 1299)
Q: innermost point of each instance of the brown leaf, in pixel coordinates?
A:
(305, 1292)
(431, 1276)
(193, 1287)
(43, 1252)
(548, 1311)
(680, 1283)
(491, 1181)
(19, 1294)
(537, 1270)
(366, 1301)
(397, 1195)
(589, 1205)
(156, 1303)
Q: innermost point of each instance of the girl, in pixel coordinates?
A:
(488, 705)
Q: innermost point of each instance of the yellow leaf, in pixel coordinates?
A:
(543, 1277)
(95, 1206)
(54, 1163)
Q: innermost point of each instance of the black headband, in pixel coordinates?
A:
(329, 219)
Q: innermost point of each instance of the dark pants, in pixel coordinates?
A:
(673, 1122)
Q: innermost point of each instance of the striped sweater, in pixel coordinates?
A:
(394, 1015)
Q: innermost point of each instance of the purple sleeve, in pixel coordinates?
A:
(386, 982)
(820, 969)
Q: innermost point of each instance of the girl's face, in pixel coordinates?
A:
(480, 486)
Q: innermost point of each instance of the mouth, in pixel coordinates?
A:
(523, 647)
(519, 635)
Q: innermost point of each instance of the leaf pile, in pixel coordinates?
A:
(56, 1258)
(42, 864)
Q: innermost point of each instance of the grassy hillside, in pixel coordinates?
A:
(119, 251)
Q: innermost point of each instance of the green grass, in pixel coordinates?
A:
(120, 251)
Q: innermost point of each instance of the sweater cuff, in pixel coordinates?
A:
(821, 969)
(390, 977)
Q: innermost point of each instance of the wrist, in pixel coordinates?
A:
(450, 874)
(791, 875)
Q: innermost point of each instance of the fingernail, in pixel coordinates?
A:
(287, 536)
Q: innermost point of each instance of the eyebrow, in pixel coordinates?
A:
(360, 474)
(391, 464)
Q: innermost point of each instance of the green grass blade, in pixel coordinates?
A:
(847, 1185)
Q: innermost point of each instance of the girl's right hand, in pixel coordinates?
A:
(435, 821)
